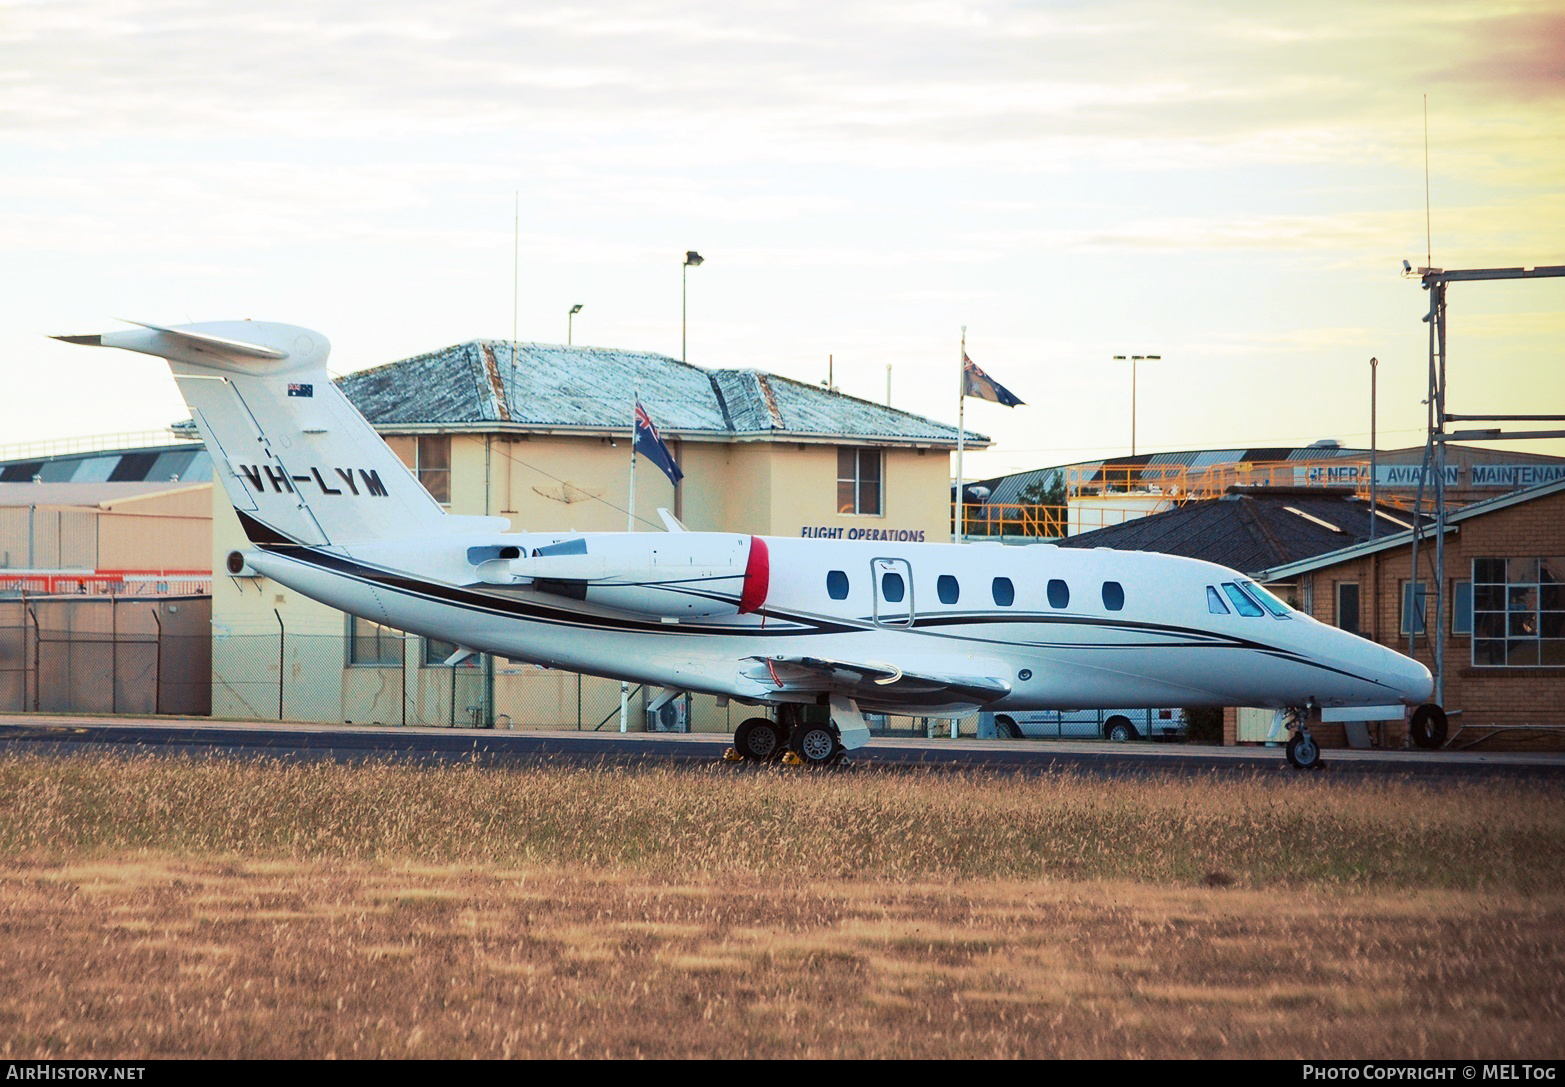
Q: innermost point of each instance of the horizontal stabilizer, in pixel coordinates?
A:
(173, 343)
(205, 339)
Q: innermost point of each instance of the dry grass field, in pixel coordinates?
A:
(167, 908)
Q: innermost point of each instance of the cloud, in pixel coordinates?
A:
(1514, 55)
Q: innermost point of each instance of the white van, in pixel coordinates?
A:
(1117, 725)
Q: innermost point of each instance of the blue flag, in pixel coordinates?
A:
(977, 383)
(649, 443)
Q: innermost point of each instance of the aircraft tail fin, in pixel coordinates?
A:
(298, 462)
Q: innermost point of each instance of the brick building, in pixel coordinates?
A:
(1501, 616)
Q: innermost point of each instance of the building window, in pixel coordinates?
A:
(1518, 612)
(1461, 609)
(428, 456)
(1348, 607)
(1414, 609)
(372, 645)
(437, 652)
(859, 476)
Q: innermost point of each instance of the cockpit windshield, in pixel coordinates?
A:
(1268, 601)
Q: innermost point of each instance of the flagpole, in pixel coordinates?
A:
(961, 435)
(630, 514)
(630, 526)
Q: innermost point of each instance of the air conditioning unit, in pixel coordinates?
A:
(672, 717)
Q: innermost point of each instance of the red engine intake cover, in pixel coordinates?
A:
(757, 577)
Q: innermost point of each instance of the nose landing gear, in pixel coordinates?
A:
(1303, 751)
(1428, 726)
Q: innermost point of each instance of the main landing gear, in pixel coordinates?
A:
(813, 743)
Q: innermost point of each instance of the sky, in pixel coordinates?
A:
(1230, 185)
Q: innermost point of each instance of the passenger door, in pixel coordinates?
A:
(893, 591)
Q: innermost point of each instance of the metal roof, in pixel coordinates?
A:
(99, 494)
(185, 462)
(1252, 529)
(478, 385)
(1349, 552)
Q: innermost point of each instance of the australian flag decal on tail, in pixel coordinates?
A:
(297, 389)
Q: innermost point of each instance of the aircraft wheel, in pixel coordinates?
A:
(1120, 730)
(758, 740)
(1428, 726)
(1303, 752)
(816, 745)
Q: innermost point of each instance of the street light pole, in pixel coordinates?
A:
(1373, 505)
(692, 260)
(1133, 360)
(569, 318)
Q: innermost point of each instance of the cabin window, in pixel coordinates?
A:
(371, 645)
(1059, 593)
(859, 476)
(1214, 601)
(1242, 602)
(892, 588)
(1113, 596)
(1004, 592)
(947, 589)
(837, 585)
(1348, 606)
(1518, 612)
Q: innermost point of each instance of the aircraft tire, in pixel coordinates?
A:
(1304, 752)
(758, 740)
(1429, 726)
(816, 745)
(1119, 730)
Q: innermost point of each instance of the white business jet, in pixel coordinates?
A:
(851, 626)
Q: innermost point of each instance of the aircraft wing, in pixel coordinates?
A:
(877, 685)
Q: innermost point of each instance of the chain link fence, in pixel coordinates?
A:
(311, 677)
(162, 656)
(104, 654)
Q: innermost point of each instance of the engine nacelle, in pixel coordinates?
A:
(674, 575)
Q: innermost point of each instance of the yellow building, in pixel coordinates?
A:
(541, 435)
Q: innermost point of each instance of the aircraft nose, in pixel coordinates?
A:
(1414, 683)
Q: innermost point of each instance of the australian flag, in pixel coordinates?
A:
(977, 383)
(649, 443)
